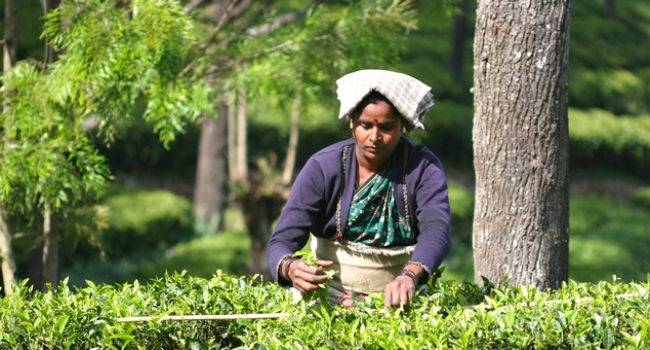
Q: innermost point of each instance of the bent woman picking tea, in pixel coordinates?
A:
(376, 203)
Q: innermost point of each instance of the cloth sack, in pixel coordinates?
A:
(411, 97)
(360, 268)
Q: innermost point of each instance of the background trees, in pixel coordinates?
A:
(142, 221)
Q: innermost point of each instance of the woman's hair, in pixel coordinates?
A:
(374, 97)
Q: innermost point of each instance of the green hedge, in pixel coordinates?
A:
(143, 220)
(641, 197)
(598, 137)
(447, 315)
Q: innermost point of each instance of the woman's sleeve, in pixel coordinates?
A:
(298, 216)
(433, 216)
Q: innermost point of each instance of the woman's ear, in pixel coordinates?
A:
(351, 123)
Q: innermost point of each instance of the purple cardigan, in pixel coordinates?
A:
(311, 206)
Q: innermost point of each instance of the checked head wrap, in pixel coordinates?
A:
(411, 97)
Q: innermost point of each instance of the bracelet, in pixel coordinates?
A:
(286, 263)
(410, 274)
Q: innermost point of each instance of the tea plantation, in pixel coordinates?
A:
(445, 315)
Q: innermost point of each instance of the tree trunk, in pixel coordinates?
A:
(6, 256)
(7, 264)
(50, 53)
(520, 141)
(292, 149)
(458, 40)
(50, 252)
(231, 129)
(211, 172)
(35, 269)
(610, 8)
(50, 249)
(242, 139)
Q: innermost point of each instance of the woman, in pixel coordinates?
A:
(376, 204)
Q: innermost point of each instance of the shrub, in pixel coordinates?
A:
(445, 315)
(461, 202)
(641, 197)
(144, 220)
(598, 134)
(608, 237)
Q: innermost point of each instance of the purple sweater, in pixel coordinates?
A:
(311, 206)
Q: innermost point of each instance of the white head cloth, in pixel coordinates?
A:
(411, 97)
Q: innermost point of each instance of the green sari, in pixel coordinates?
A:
(374, 219)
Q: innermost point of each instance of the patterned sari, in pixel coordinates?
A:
(374, 219)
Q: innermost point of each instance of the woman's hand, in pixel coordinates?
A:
(402, 289)
(399, 291)
(306, 278)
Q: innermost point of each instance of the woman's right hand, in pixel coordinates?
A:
(306, 278)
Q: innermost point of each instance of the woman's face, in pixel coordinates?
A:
(377, 132)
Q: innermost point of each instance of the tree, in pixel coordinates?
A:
(520, 141)
(282, 59)
(8, 266)
(117, 61)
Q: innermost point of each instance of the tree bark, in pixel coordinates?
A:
(520, 138)
(211, 172)
(50, 53)
(50, 249)
(292, 149)
(458, 39)
(231, 129)
(50, 252)
(610, 8)
(7, 264)
(242, 139)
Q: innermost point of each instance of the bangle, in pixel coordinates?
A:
(410, 274)
(286, 263)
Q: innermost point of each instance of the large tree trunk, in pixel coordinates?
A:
(7, 264)
(211, 172)
(520, 141)
(458, 40)
(50, 249)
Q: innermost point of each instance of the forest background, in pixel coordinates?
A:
(145, 224)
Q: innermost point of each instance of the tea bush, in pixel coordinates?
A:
(144, 220)
(445, 315)
(600, 135)
(641, 197)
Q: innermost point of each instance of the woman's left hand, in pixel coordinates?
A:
(399, 291)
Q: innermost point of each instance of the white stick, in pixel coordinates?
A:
(202, 317)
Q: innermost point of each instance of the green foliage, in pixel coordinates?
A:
(597, 134)
(641, 197)
(46, 158)
(117, 57)
(108, 66)
(227, 251)
(304, 59)
(618, 79)
(607, 237)
(445, 315)
(144, 220)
